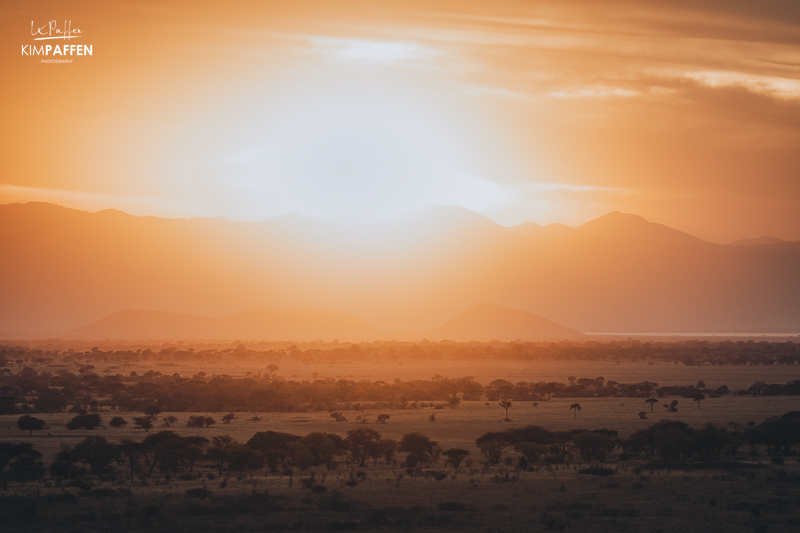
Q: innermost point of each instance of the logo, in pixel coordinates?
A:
(53, 32)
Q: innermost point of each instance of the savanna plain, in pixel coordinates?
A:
(597, 436)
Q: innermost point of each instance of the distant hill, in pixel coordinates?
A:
(272, 325)
(618, 225)
(757, 241)
(494, 322)
(64, 268)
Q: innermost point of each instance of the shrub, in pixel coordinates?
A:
(117, 422)
(89, 421)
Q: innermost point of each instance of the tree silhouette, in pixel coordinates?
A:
(241, 458)
(144, 422)
(643, 415)
(672, 407)
(361, 441)
(96, 452)
(531, 450)
(505, 404)
(219, 456)
(382, 418)
(117, 422)
(30, 423)
(419, 445)
(132, 450)
(594, 445)
(455, 456)
(152, 410)
(20, 462)
(575, 408)
(321, 446)
(652, 402)
(199, 421)
(493, 449)
(699, 398)
(88, 421)
(273, 446)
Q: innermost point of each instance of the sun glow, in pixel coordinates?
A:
(342, 139)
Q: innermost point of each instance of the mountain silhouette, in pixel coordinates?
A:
(488, 322)
(65, 268)
(270, 325)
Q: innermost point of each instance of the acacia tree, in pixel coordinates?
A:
(117, 422)
(455, 456)
(505, 404)
(30, 423)
(321, 446)
(361, 441)
(143, 422)
(20, 462)
(699, 398)
(494, 444)
(494, 449)
(652, 402)
(419, 445)
(575, 407)
(94, 451)
(594, 445)
(273, 446)
(132, 451)
(531, 450)
(86, 421)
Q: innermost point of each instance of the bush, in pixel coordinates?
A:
(89, 421)
(117, 422)
(200, 421)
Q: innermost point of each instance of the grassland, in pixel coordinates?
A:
(742, 492)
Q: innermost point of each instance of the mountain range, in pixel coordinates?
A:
(64, 269)
(480, 323)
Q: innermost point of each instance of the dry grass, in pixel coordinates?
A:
(452, 428)
(473, 499)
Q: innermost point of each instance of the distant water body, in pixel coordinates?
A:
(727, 335)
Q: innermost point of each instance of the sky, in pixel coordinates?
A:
(684, 112)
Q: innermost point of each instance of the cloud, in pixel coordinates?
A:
(371, 52)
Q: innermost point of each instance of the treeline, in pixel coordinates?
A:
(687, 352)
(530, 447)
(31, 391)
(665, 440)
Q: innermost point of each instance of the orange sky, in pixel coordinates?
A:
(685, 112)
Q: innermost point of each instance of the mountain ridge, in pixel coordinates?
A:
(66, 268)
(295, 324)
